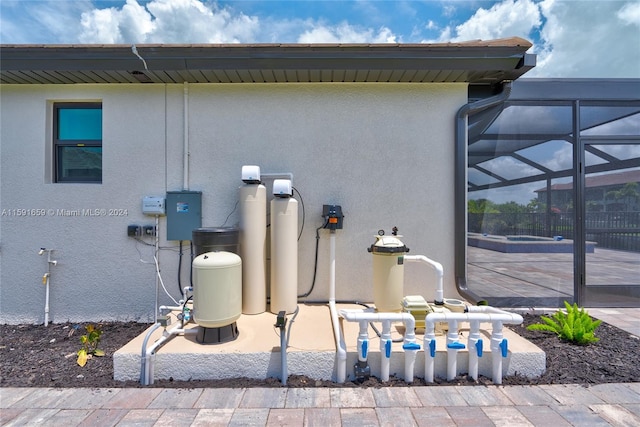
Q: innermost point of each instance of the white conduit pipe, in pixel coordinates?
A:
(439, 272)
(185, 148)
(341, 347)
(143, 358)
(410, 346)
(480, 314)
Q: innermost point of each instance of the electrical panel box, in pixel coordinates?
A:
(184, 214)
(152, 205)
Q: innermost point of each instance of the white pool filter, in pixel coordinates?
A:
(388, 272)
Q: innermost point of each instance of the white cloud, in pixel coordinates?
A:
(597, 39)
(589, 39)
(41, 22)
(506, 19)
(630, 14)
(346, 33)
(167, 21)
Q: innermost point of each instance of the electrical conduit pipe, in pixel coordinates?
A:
(499, 345)
(410, 346)
(148, 359)
(439, 272)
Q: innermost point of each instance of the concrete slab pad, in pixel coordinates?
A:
(311, 351)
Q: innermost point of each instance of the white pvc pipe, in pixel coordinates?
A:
(385, 338)
(341, 347)
(45, 282)
(363, 342)
(439, 273)
(477, 313)
(46, 301)
(283, 356)
(452, 353)
(385, 350)
(474, 344)
(149, 357)
(429, 352)
(143, 356)
(496, 352)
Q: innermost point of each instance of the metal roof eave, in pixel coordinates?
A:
(473, 62)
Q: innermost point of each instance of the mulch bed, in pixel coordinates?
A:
(35, 356)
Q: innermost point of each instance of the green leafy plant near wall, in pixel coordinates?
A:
(575, 325)
(90, 342)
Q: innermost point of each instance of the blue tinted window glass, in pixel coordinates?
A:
(80, 124)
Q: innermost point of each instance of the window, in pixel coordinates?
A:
(77, 140)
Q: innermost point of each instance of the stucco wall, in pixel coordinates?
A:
(382, 151)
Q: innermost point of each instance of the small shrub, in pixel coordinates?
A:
(90, 342)
(575, 325)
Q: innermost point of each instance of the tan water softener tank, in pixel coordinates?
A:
(284, 248)
(253, 238)
(217, 289)
(388, 272)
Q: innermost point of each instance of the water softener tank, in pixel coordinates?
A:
(388, 272)
(284, 249)
(217, 289)
(253, 237)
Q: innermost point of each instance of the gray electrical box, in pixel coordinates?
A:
(184, 214)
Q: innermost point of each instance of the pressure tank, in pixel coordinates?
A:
(217, 289)
(253, 237)
(388, 272)
(284, 254)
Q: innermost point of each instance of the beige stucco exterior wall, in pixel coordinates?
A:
(382, 151)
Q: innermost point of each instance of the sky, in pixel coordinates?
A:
(572, 39)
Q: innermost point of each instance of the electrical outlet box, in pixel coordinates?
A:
(134, 231)
(149, 230)
(333, 216)
(153, 205)
(184, 214)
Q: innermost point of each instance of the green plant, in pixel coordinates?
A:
(90, 342)
(575, 325)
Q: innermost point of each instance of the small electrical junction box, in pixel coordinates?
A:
(333, 216)
(153, 205)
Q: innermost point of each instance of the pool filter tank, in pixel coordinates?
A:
(284, 248)
(217, 296)
(388, 271)
(253, 237)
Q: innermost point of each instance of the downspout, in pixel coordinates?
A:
(185, 148)
(460, 204)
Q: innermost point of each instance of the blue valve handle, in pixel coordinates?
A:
(387, 349)
(479, 348)
(432, 348)
(504, 346)
(411, 346)
(365, 349)
(456, 345)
